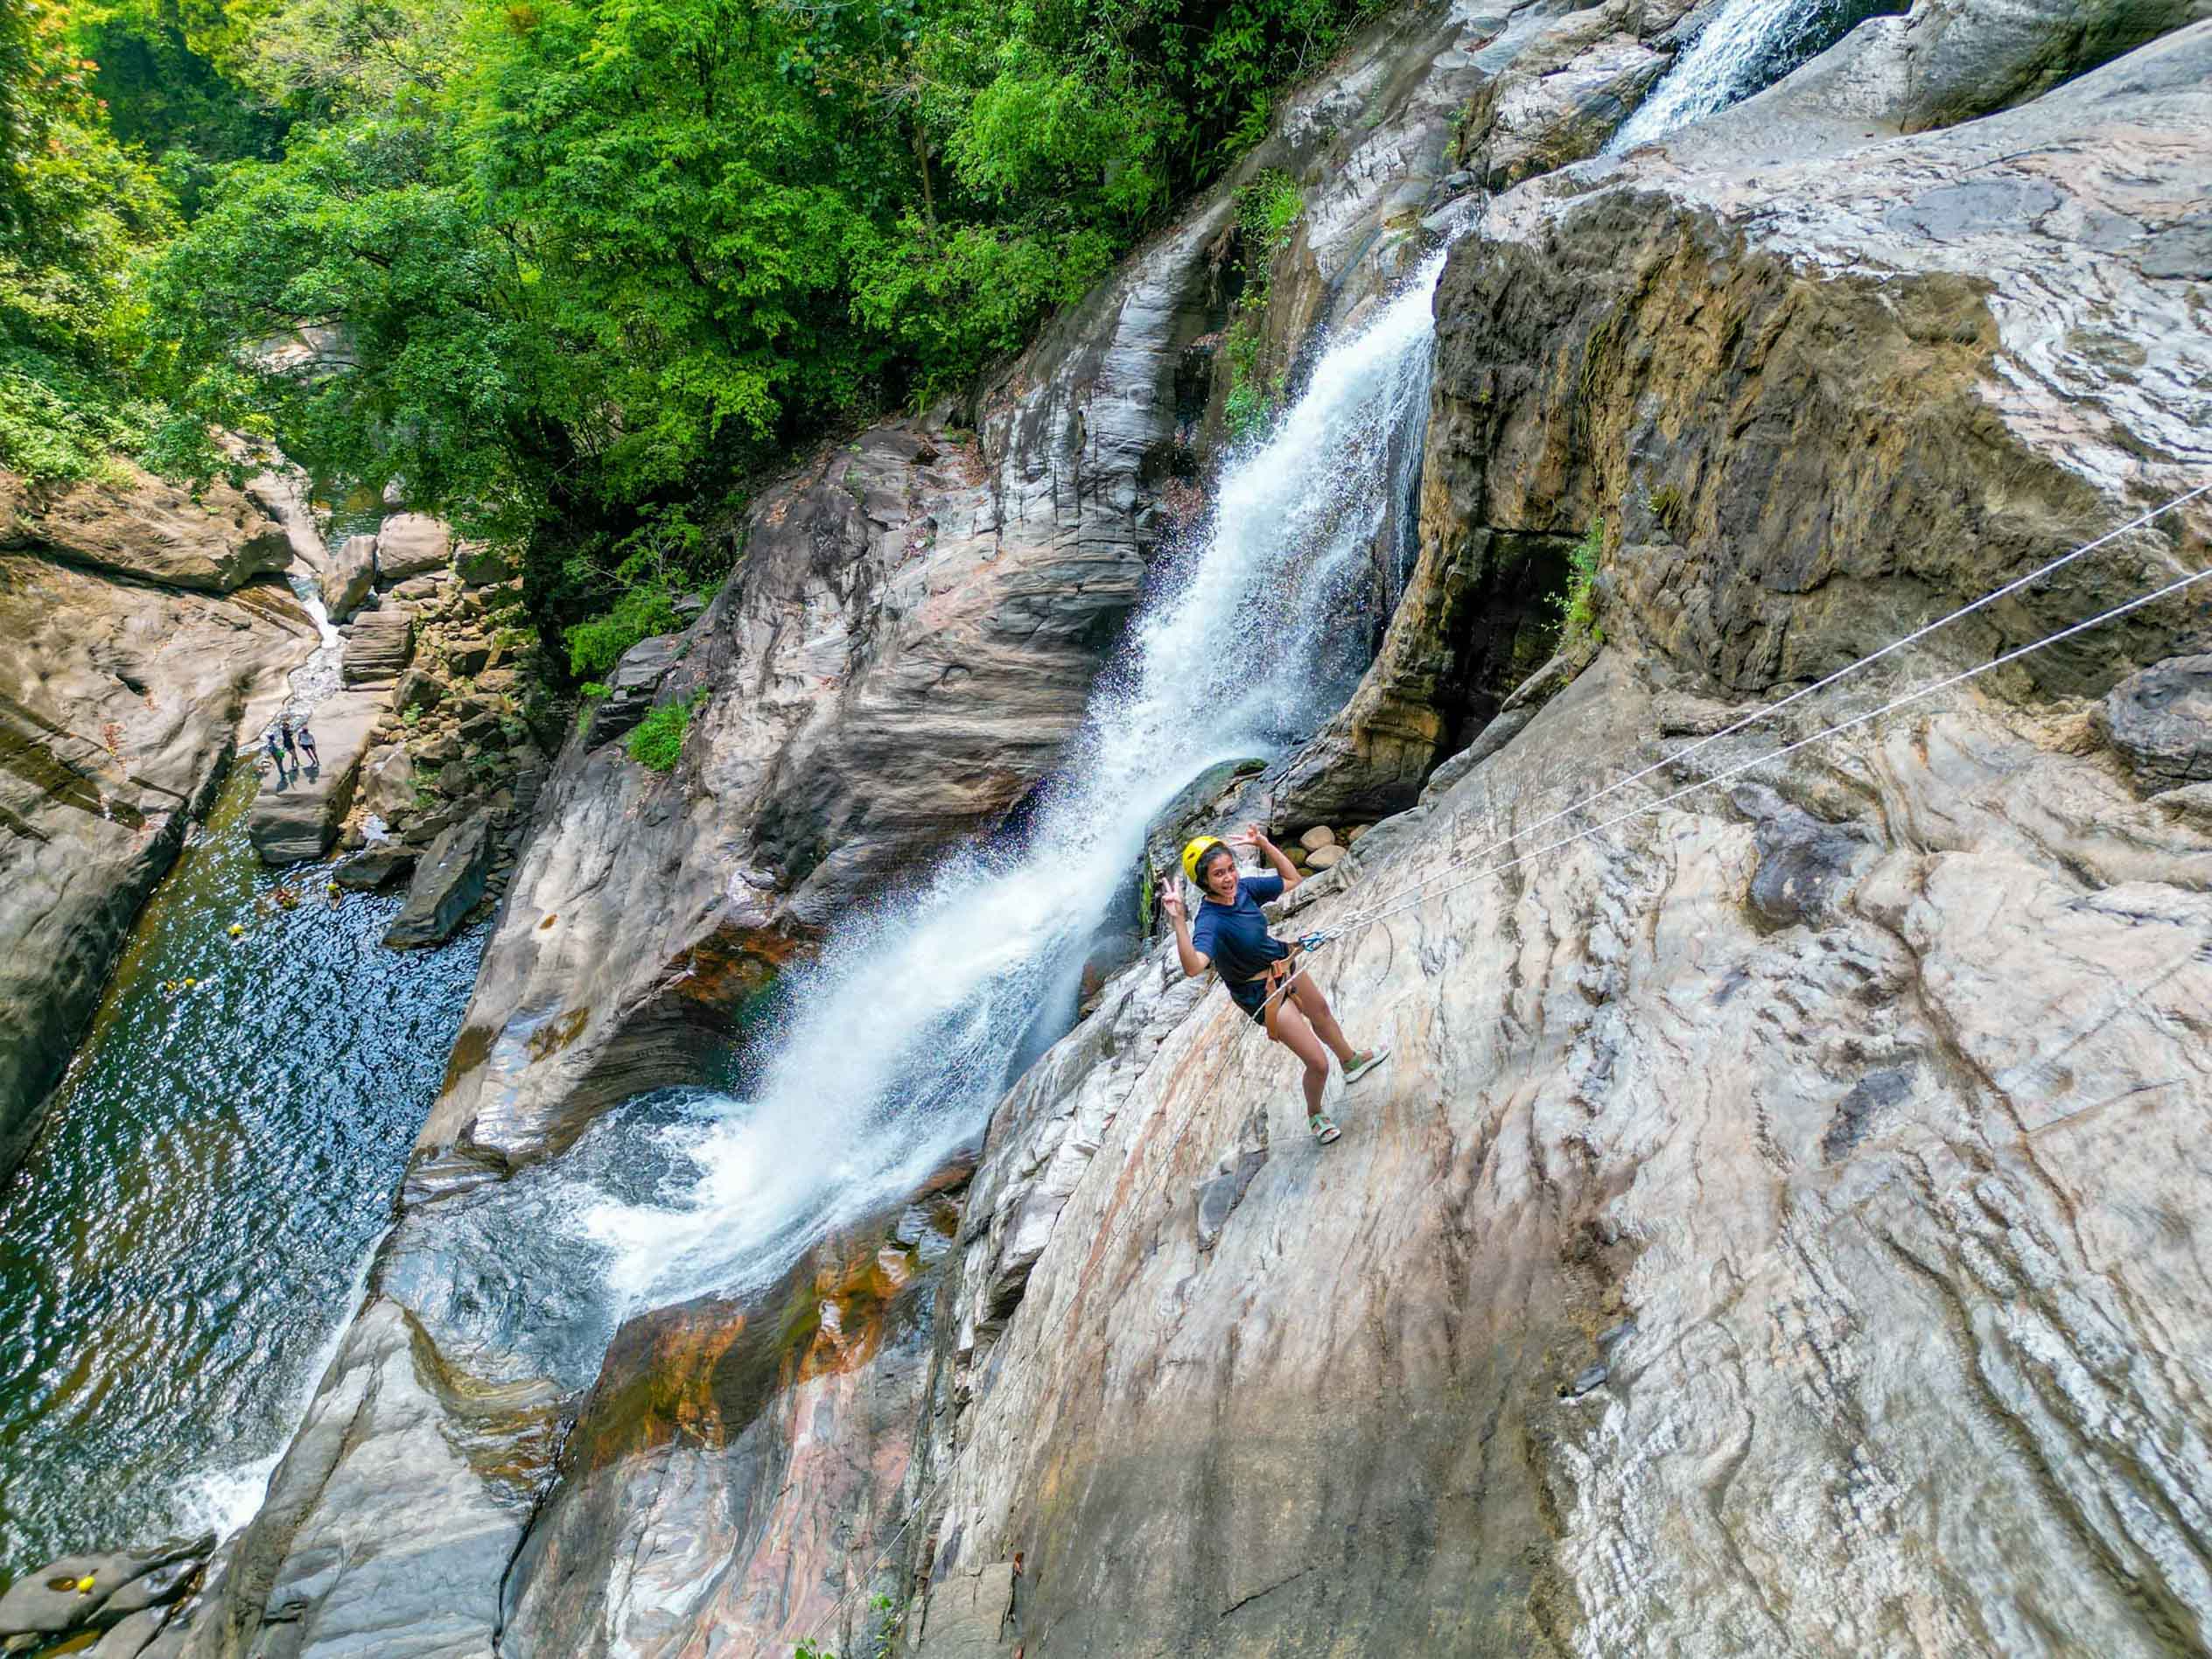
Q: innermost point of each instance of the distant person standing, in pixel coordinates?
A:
(285, 730)
(276, 754)
(307, 744)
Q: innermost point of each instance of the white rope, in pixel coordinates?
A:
(1408, 898)
(1769, 710)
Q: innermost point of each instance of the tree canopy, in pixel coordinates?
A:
(578, 269)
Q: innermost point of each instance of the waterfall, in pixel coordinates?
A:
(1746, 47)
(901, 1038)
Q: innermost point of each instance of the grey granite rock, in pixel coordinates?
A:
(411, 544)
(2160, 719)
(294, 816)
(446, 886)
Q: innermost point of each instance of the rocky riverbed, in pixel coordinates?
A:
(1776, 1228)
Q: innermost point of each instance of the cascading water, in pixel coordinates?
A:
(1746, 47)
(903, 1035)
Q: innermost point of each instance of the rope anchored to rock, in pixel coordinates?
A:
(1409, 897)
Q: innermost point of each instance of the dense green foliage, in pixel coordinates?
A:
(1268, 207)
(580, 269)
(77, 212)
(1576, 603)
(656, 743)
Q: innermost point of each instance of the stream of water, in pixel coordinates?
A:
(904, 1034)
(1746, 47)
(185, 1238)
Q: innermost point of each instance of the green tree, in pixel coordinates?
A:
(77, 214)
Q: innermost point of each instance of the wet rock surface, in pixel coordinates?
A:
(1777, 1222)
(792, 1407)
(125, 1592)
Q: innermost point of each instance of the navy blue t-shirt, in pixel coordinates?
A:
(1234, 936)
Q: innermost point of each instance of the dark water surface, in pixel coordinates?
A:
(182, 1244)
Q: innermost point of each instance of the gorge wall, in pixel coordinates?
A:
(148, 632)
(1778, 1222)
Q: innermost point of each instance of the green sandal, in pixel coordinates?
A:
(1364, 1063)
(1324, 1127)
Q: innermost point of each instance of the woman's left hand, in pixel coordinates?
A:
(1249, 836)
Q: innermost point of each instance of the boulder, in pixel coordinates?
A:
(479, 563)
(2160, 719)
(1562, 98)
(447, 884)
(93, 1592)
(381, 644)
(376, 866)
(284, 493)
(631, 689)
(419, 590)
(410, 545)
(467, 657)
(144, 528)
(1318, 837)
(417, 688)
(296, 816)
(353, 573)
(388, 783)
(1325, 857)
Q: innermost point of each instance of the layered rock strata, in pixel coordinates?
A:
(120, 704)
(141, 528)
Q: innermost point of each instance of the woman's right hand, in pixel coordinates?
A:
(1170, 900)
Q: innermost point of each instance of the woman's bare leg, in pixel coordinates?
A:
(1315, 1006)
(1289, 1027)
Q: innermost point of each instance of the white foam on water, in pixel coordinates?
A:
(1725, 64)
(901, 1037)
(222, 1498)
(222, 1501)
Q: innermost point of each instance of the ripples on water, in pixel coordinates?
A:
(183, 1240)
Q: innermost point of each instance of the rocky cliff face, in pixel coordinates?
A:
(1778, 1222)
(1774, 1229)
(144, 636)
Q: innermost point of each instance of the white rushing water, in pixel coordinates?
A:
(1736, 54)
(901, 1038)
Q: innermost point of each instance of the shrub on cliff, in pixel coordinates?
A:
(657, 742)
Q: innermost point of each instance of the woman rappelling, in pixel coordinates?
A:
(1231, 935)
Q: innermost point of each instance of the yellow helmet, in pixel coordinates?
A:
(1194, 851)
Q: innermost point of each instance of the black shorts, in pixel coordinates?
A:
(1251, 995)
